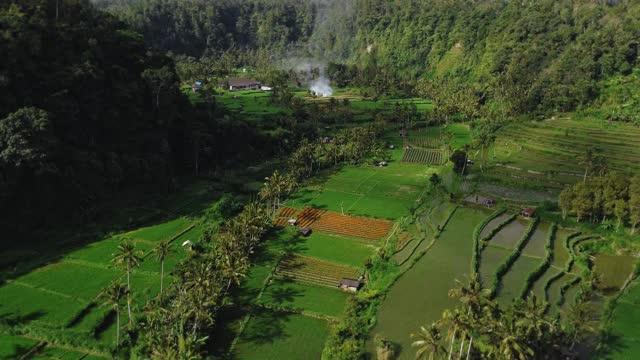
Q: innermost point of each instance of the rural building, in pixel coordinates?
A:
(266, 88)
(243, 84)
(528, 212)
(305, 231)
(480, 200)
(197, 86)
(352, 285)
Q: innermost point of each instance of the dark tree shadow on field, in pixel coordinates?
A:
(225, 331)
(266, 326)
(611, 343)
(16, 320)
(283, 294)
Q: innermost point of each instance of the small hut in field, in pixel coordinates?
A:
(352, 285)
(528, 212)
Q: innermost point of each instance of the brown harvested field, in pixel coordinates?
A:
(370, 229)
(281, 222)
(287, 212)
(309, 216)
(284, 214)
(314, 271)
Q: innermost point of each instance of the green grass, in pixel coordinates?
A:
(58, 353)
(626, 330)
(75, 280)
(163, 231)
(336, 248)
(12, 347)
(273, 335)
(283, 293)
(421, 294)
(367, 191)
(24, 304)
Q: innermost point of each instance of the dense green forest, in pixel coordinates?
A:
(553, 55)
(89, 111)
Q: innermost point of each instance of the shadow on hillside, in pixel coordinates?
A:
(129, 211)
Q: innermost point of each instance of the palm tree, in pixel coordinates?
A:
(127, 257)
(162, 250)
(428, 342)
(112, 296)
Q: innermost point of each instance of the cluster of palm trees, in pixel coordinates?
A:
(177, 324)
(352, 145)
(128, 258)
(480, 328)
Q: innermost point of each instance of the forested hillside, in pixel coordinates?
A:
(553, 55)
(87, 111)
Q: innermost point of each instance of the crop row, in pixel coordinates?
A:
(511, 259)
(311, 270)
(287, 212)
(371, 229)
(544, 265)
(421, 156)
(424, 142)
(308, 216)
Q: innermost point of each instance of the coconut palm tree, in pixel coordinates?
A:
(161, 251)
(128, 258)
(428, 342)
(112, 296)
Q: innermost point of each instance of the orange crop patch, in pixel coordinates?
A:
(370, 229)
(308, 216)
(287, 212)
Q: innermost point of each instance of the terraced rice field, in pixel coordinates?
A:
(536, 244)
(493, 224)
(490, 258)
(365, 228)
(424, 156)
(421, 294)
(315, 271)
(511, 283)
(550, 145)
(509, 235)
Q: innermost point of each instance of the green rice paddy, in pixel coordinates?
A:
(283, 293)
(420, 295)
(274, 335)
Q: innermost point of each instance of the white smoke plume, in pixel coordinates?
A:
(321, 86)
